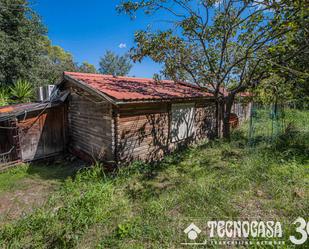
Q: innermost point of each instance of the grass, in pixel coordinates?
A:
(10, 180)
(146, 206)
(14, 179)
(24, 188)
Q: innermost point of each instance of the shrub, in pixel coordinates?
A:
(4, 97)
(21, 91)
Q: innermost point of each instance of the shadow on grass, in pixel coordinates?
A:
(151, 180)
(54, 169)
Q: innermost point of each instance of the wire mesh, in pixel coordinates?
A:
(266, 123)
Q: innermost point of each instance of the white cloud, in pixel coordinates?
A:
(217, 3)
(122, 45)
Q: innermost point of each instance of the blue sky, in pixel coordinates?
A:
(88, 28)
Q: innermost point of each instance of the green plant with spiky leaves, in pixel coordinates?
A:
(21, 91)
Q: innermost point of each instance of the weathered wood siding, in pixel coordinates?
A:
(42, 134)
(143, 131)
(90, 125)
(9, 141)
(5, 135)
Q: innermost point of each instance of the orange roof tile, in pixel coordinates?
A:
(132, 89)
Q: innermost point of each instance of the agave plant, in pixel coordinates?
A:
(21, 91)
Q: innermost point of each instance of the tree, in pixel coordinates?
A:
(218, 45)
(25, 52)
(290, 60)
(54, 60)
(114, 64)
(87, 68)
(274, 89)
(20, 35)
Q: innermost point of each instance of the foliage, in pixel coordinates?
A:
(114, 64)
(142, 205)
(26, 53)
(20, 34)
(54, 60)
(214, 44)
(4, 96)
(86, 67)
(290, 57)
(21, 91)
(274, 90)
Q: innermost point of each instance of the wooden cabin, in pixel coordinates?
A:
(111, 119)
(120, 119)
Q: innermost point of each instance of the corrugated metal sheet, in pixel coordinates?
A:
(6, 112)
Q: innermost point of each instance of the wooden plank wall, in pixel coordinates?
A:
(143, 130)
(4, 138)
(9, 142)
(42, 134)
(90, 125)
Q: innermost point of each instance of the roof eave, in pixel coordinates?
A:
(86, 87)
(38, 107)
(167, 100)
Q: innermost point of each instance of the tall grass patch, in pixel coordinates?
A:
(142, 205)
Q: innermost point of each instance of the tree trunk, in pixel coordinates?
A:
(218, 118)
(229, 100)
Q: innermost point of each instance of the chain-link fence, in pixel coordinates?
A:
(266, 123)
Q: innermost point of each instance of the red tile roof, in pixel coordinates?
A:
(132, 89)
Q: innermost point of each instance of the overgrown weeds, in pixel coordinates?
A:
(142, 205)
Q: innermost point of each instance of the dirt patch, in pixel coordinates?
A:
(34, 187)
(254, 205)
(15, 204)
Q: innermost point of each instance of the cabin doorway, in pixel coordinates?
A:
(8, 137)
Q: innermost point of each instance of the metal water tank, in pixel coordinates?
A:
(40, 94)
(45, 93)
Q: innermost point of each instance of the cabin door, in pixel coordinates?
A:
(8, 142)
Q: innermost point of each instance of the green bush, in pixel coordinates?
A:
(4, 97)
(21, 91)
